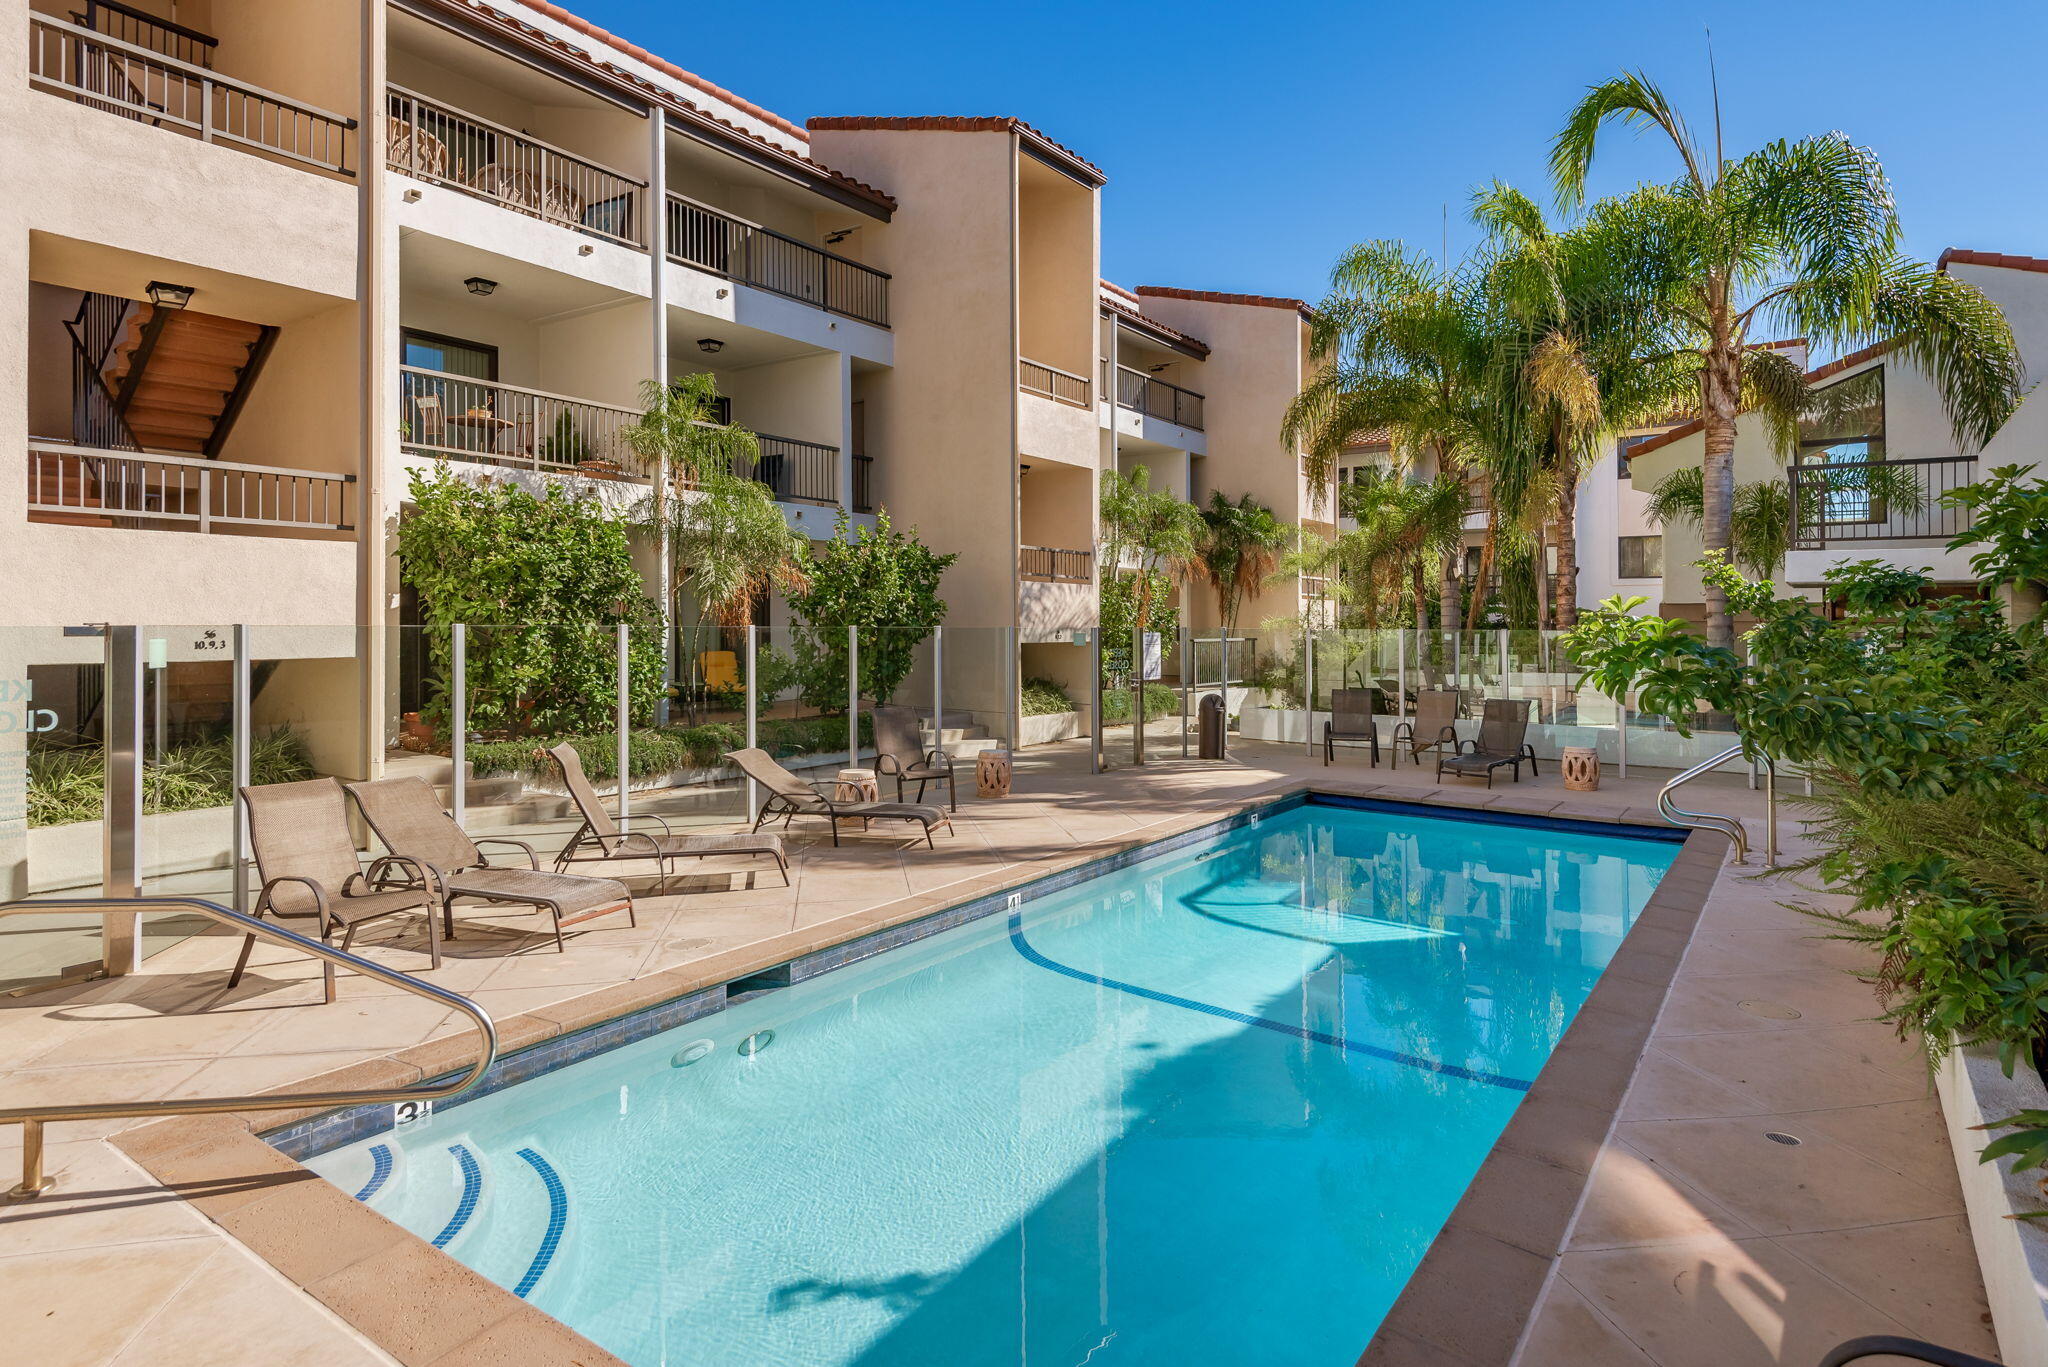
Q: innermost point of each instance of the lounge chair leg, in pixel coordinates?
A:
(241, 961)
(632, 917)
(783, 862)
(556, 913)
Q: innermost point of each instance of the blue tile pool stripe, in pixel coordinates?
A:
(380, 1171)
(472, 1192)
(558, 1220)
(1024, 948)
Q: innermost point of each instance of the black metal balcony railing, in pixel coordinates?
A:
(794, 471)
(144, 85)
(1156, 398)
(130, 25)
(1036, 377)
(443, 146)
(1056, 564)
(712, 240)
(1882, 500)
(464, 418)
(863, 484)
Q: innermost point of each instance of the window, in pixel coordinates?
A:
(451, 355)
(1845, 428)
(1642, 557)
(1621, 450)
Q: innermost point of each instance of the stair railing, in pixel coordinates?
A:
(1737, 834)
(96, 416)
(34, 1181)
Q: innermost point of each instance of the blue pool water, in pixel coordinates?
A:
(1210, 1108)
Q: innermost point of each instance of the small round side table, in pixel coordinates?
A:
(992, 773)
(1580, 765)
(857, 785)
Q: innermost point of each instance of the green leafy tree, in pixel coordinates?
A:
(1796, 235)
(1405, 528)
(1238, 549)
(884, 581)
(543, 580)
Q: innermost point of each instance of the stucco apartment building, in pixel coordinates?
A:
(265, 258)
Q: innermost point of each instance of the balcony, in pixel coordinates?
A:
(1155, 398)
(141, 68)
(1857, 502)
(443, 146)
(794, 471)
(711, 240)
(459, 417)
(1036, 377)
(1051, 564)
(88, 487)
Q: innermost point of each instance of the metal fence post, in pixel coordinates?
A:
(1621, 720)
(121, 849)
(1137, 694)
(1308, 690)
(1095, 700)
(1185, 658)
(753, 713)
(852, 695)
(624, 704)
(938, 688)
(1400, 674)
(238, 723)
(458, 719)
(1505, 692)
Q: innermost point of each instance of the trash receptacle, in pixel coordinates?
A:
(1210, 727)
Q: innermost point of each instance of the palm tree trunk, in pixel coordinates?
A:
(1721, 401)
(1485, 576)
(1566, 595)
(1449, 601)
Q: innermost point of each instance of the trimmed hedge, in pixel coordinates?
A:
(1160, 701)
(1045, 698)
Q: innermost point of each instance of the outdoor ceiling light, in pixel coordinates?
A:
(838, 235)
(168, 296)
(710, 346)
(480, 286)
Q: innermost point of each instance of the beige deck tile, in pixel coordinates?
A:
(1822, 996)
(79, 1307)
(1717, 1302)
(1779, 1188)
(1785, 1070)
(1909, 1137)
(1922, 1273)
(1569, 1332)
(235, 1312)
(1631, 1201)
(101, 1199)
(1666, 1089)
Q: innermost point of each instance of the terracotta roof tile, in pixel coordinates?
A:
(1828, 371)
(1854, 358)
(1963, 256)
(1266, 301)
(1082, 168)
(668, 98)
(1130, 311)
(1664, 439)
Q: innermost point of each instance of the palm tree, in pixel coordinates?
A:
(1577, 364)
(1151, 525)
(1799, 235)
(1403, 348)
(727, 541)
(1239, 547)
(1405, 529)
(1760, 518)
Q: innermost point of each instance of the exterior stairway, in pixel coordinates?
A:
(179, 375)
(70, 483)
(959, 734)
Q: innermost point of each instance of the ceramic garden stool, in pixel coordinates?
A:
(992, 773)
(856, 785)
(1580, 765)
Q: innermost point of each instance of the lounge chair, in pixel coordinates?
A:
(1503, 740)
(1436, 711)
(897, 752)
(790, 797)
(408, 818)
(599, 839)
(1351, 712)
(306, 857)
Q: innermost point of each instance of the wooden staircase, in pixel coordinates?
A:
(179, 378)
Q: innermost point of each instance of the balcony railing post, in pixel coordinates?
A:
(205, 500)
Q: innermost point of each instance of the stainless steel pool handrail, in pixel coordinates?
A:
(34, 1182)
(1729, 826)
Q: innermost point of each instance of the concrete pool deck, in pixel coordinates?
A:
(1698, 1240)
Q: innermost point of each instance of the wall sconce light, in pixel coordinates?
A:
(477, 285)
(839, 235)
(412, 196)
(585, 250)
(168, 296)
(710, 346)
(1155, 369)
(723, 292)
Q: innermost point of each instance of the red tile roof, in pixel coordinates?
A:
(1828, 371)
(1082, 169)
(1136, 315)
(513, 26)
(1963, 256)
(1854, 358)
(1264, 301)
(1664, 439)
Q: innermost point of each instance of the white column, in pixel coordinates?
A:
(239, 729)
(657, 291)
(625, 716)
(458, 719)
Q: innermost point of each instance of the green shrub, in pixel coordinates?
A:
(65, 786)
(1046, 698)
(1160, 701)
(657, 751)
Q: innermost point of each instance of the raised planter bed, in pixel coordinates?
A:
(2012, 1253)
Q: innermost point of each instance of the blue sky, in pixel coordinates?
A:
(1246, 144)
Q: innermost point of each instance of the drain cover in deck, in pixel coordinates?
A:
(1770, 1011)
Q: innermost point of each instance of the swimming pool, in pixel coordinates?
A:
(1209, 1107)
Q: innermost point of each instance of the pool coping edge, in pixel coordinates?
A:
(374, 1274)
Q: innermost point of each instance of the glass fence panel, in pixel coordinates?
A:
(190, 728)
(1057, 704)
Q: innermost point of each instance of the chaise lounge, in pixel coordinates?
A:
(600, 840)
(790, 797)
(1503, 741)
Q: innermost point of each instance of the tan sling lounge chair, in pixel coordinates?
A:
(1436, 711)
(1503, 741)
(407, 817)
(789, 797)
(307, 860)
(600, 839)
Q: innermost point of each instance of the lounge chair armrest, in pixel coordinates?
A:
(1464, 747)
(939, 758)
(1447, 736)
(319, 892)
(481, 841)
(654, 846)
(419, 873)
(887, 764)
(1404, 730)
